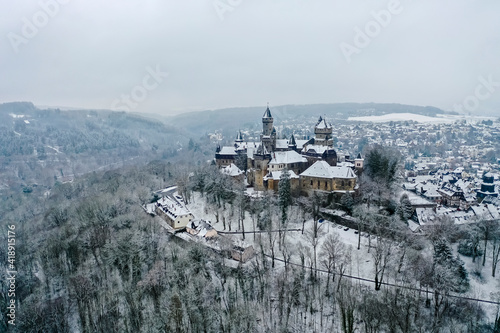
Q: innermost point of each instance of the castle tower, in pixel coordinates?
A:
(267, 122)
(261, 159)
(359, 162)
(323, 133)
(292, 145)
(268, 136)
(239, 137)
(487, 186)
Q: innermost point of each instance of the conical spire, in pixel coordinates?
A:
(239, 137)
(267, 114)
(292, 141)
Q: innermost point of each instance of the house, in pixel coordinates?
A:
(233, 171)
(242, 252)
(272, 180)
(324, 177)
(174, 212)
(201, 228)
(452, 197)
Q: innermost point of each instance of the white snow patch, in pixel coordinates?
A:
(402, 117)
(54, 148)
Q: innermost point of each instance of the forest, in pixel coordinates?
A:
(89, 259)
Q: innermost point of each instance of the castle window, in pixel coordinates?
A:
(311, 183)
(342, 183)
(318, 184)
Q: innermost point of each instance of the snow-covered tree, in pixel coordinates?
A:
(284, 195)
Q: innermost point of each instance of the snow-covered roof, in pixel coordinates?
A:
(301, 143)
(287, 157)
(322, 169)
(425, 215)
(281, 144)
(245, 145)
(322, 123)
(487, 211)
(346, 164)
(448, 192)
(417, 200)
(315, 148)
(227, 150)
(432, 194)
(231, 170)
(172, 207)
(276, 175)
(150, 208)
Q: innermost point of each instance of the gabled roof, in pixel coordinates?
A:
(321, 169)
(172, 208)
(227, 150)
(231, 170)
(287, 157)
(281, 144)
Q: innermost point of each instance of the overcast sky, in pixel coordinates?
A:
(225, 53)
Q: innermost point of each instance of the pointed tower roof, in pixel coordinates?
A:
(322, 123)
(267, 114)
(359, 157)
(239, 137)
(292, 141)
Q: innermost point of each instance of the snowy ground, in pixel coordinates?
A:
(361, 260)
(402, 117)
(441, 118)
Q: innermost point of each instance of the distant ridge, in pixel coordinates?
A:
(236, 117)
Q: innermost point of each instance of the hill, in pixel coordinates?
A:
(41, 146)
(230, 118)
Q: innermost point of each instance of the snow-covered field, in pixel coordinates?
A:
(403, 117)
(441, 118)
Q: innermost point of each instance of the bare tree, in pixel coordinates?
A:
(381, 258)
(332, 254)
(495, 252)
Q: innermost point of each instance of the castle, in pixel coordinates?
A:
(312, 164)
